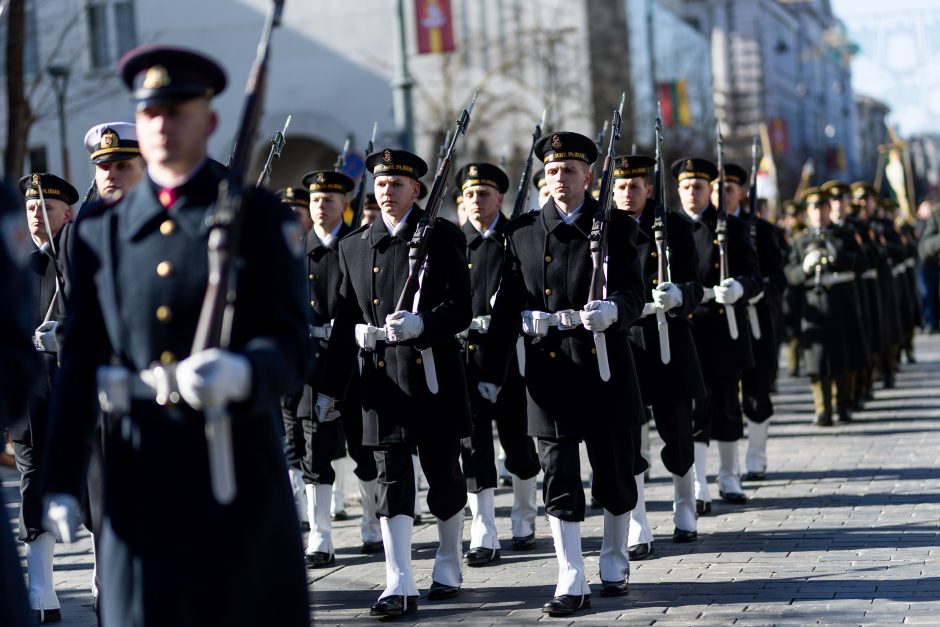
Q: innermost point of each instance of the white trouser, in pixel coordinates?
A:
(339, 486)
(524, 507)
(447, 560)
(369, 525)
(684, 504)
(614, 560)
(701, 477)
(396, 538)
(729, 479)
(567, 537)
(756, 458)
(640, 532)
(320, 539)
(483, 523)
(416, 464)
(300, 497)
(39, 573)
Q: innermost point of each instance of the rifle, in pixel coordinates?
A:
(359, 201)
(214, 328)
(421, 240)
(599, 142)
(277, 145)
(663, 272)
(341, 157)
(599, 242)
(721, 231)
(522, 192)
(752, 229)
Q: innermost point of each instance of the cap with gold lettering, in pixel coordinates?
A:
(294, 196)
(630, 166)
(52, 187)
(736, 174)
(562, 146)
(861, 189)
(836, 188)
(112, 141)
(538, 179)
(327, 181)
(694, 169)
(161, 75)
(814, 196)
(481, 173)
(390, 162)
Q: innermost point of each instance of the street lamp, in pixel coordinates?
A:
(60, 78)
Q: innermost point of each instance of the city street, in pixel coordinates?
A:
(843, 531)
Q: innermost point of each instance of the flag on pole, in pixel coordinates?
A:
(767, 174)
(675, 103)
(435, 26)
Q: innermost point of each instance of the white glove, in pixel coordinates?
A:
(709, 295)
(325, 409)
(44, 338)
(213, 378)
(489, 391)
(598, 315)
(667, 296)
(402, 326)
(729, 291)
(811, 260)
(60, 516)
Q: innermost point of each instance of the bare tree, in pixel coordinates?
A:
(18, 111)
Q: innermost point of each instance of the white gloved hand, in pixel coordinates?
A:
(213, 378)
(811, 260)
(60, 515)
(325, 409)
(667, 296)
(729, 291)
(489, 391)
(44, 338)
(402, 326)
(598, 315)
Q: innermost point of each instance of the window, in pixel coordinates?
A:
(112, 31)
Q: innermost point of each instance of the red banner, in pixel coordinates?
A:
(779, 135)
(434, 25)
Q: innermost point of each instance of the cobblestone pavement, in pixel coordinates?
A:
(843, 531)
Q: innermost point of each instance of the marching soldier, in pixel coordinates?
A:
(19, 369)
(823, 265)
(668, 389)
(311, 446)
(115, 153)
(723, 357)
(413, 386)
(370, 211)
(545, 281)
(49, 201)
(298, 200)
(756, 382)
(482, 186)
(538, 181)
(141, 271)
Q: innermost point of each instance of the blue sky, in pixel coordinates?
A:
(899, 60)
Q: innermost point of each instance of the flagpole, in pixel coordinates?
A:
(402, 83)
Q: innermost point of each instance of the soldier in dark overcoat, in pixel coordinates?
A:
(50, 228)
(668, 381)
(141, 272)
(545, 286)
(723, 357)
(823, 264)
(756, 382)
(413, 383)
(482, 187)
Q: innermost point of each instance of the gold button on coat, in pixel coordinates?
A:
(381, 364)
(166, 357)
(548, 291)
(548, 258)
(164, 313)
(418, 361)
(164, 268)
(376, 301)
(167, 227)
(376, 269)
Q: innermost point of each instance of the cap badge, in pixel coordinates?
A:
(689, 165)
(156, 77)
(473, 171)
(289, 192)
(108, 139)
(556, 142)
(321, 177)
(387, 156)
(36, 180)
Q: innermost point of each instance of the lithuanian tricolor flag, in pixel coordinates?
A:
(675, 103)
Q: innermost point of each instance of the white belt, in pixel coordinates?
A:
(757, 298)
(899, 269)
(117, 386)
(536, 323)
(871, 273)
(910, 262)
(833, 278)
(368, 335)
(322, 332)
(649, 309)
